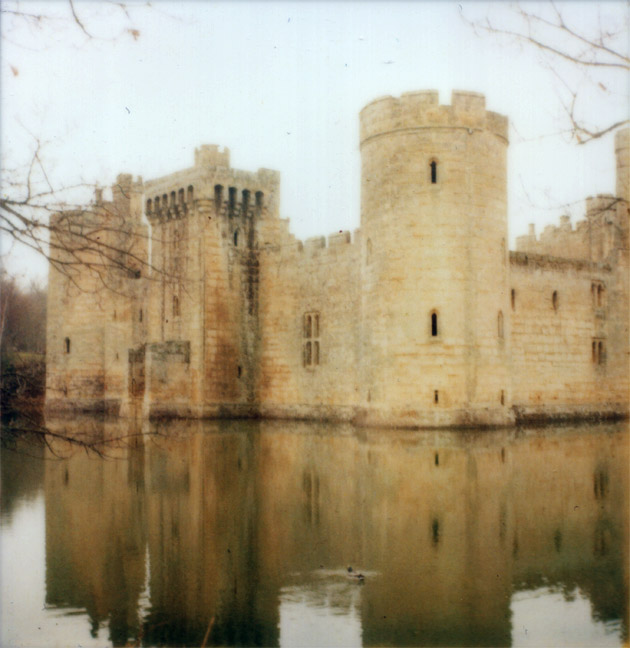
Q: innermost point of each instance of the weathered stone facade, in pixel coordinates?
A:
(422, 317)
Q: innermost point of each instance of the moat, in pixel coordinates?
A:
(230, 533)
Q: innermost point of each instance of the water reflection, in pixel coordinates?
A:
(233, 533)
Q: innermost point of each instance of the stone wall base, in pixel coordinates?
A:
(358, 416)
(107, 406)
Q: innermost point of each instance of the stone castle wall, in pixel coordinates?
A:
(420, 318)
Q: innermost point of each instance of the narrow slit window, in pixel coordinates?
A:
(66, 345)
(140, 315)
(309, 356)
(433, 166)
(246, 195)
(594, 351)
(235, 238)
(600, 292)
(513, 298)
(434, 324)
(436, 396)
(554, 300)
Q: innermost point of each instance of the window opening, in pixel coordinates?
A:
(259, 198)
(66, 344)
(235, 238)
(149, 206)
(172, 199)
(232, 198)
(594, 351)
(239, 371)
(218, 196)
(180, 196)
(502, 398)
(600, 291)
(246, 195)
(435, 531)
(434, 324)
(433, 166)
(554, 300)
(437, 459)
(436, 397)
(513, 297)
(311, 347)
(140, 315)
(190, 193)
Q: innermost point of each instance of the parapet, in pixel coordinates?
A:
(416, 110)
(210, 155)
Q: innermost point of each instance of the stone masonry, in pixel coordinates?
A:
(421, 318)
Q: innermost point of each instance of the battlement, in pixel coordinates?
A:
(212, 179)
(210, 155)
(591, 238)
(417, 110)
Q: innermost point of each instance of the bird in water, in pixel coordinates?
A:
(353, 574)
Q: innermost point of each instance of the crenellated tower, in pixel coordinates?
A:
(435, 328)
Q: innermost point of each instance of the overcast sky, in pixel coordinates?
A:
(281, 85)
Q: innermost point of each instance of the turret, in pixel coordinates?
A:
(434, 223)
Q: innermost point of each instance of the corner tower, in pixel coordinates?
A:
(434, 266)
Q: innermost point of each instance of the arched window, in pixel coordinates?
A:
(235, 238)
(181, 198)
(513, 296)
(554, 300)
(189, 197)
(165, 200)
(433, 167)
(218, 196)
(246, 195)
(434, 324)
(500, 324)
(172, 199)
(157, 203)
(66, 345)
(149, 206)
(232, 198)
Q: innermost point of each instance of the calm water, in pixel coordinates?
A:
(240, 533)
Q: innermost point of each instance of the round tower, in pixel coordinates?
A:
(435, 331)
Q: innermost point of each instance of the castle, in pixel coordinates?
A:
(203, 304)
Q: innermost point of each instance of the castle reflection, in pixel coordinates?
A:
(240, 533)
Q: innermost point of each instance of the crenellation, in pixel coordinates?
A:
(420, 317)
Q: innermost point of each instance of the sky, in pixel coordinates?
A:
(281, 84)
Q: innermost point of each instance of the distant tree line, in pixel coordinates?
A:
(22, 348)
